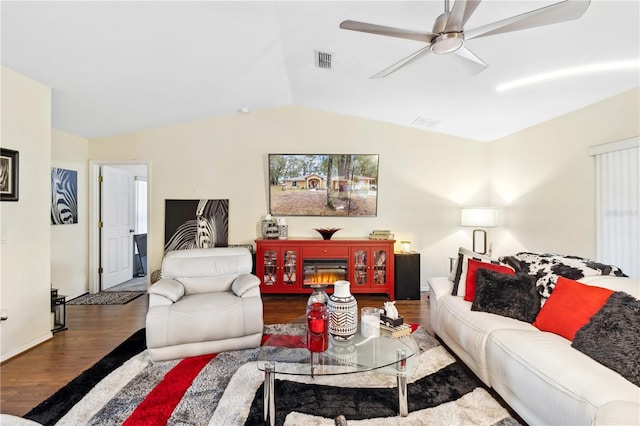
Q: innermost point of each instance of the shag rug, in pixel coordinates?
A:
(226, 389)
(106, 298)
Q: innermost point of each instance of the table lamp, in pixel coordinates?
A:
(480, 217)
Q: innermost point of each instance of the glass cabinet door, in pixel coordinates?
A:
(380, 267)
(270, 268)
(289, 268)
(360, 275)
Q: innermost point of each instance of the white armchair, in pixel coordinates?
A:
(206, 302)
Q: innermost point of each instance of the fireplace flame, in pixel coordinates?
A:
(323, 278)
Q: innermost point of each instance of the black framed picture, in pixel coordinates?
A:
(193, 224)
(8, 175)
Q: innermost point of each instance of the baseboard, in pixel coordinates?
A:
(32, 344)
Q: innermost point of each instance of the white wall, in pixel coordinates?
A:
(69, 243)
(25, 253)
(545, 178)
(423, 178)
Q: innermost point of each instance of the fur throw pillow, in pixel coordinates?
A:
(513, 296)
(612, 336)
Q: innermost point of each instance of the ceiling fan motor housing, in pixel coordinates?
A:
(447, 43)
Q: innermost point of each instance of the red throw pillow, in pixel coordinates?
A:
(472, 268)
(570, 306)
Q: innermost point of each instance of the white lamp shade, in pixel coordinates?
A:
(485, 217)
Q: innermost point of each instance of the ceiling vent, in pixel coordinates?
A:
(323, 59)
(425, 122)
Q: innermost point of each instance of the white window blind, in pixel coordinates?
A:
(618, 204)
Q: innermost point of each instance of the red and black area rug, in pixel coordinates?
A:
(126, 388)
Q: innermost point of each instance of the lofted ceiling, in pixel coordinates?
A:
(120, 66)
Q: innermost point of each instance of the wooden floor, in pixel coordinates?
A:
(94, 330)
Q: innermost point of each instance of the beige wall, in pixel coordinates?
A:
(25, 252)
(424, 177)
(545, 178)
(69, 243)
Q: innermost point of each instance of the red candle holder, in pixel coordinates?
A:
(317, 328)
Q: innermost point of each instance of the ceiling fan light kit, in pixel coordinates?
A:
(449, 35)
(447, 43)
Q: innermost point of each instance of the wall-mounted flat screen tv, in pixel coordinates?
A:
(323, 184)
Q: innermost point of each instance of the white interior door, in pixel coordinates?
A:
(116, 211)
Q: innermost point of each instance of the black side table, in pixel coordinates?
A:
(407, 275)
(59, 310)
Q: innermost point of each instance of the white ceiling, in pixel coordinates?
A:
(117, 67)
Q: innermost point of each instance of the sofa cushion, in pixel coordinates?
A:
(612, 336)
(570, 306)
(218, 316)
(466, 331)
(472, 269)
(628, 285)
(512, 296)
(460, 280)
(548, 382)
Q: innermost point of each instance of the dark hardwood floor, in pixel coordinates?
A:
(94, 330)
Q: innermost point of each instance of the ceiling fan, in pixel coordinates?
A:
(449, 35)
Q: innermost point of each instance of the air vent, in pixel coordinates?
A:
(425, 122)
(323, 59)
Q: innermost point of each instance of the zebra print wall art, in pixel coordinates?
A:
(64, 196)
(8, 175)
(196, 224)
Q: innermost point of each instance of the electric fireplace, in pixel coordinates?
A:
(324, 271)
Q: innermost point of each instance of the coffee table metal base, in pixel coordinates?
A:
(268, 397)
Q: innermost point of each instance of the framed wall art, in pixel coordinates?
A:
(323, 185)
(193, 224)
(9, 162)
(64, 196)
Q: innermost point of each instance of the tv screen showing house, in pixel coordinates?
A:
(323, 184)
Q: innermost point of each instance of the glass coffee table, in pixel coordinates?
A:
(288, 354)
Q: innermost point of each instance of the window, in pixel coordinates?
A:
(141, 205)
(618, 204)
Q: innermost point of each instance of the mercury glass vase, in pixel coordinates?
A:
(343, 312)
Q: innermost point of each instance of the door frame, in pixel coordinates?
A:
(94, 215)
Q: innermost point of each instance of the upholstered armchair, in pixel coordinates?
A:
(206, 302)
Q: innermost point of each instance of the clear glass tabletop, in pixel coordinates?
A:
(288, 354)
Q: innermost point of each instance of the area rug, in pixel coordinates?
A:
(106, 298)
(126, 388)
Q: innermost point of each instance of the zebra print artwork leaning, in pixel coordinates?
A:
(64, 196)
(196, 224)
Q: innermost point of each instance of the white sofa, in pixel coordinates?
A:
(539, 374)
(206, 302)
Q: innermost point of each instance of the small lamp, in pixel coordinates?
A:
(485, 217)
(405, 246)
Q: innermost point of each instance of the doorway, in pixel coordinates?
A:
(119, 220)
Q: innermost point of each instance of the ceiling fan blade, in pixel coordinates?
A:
(387, 31)
(559, 12)
(462, 10)
(472, 62)
(401, 63)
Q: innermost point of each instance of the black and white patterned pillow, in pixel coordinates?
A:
(462, 263)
